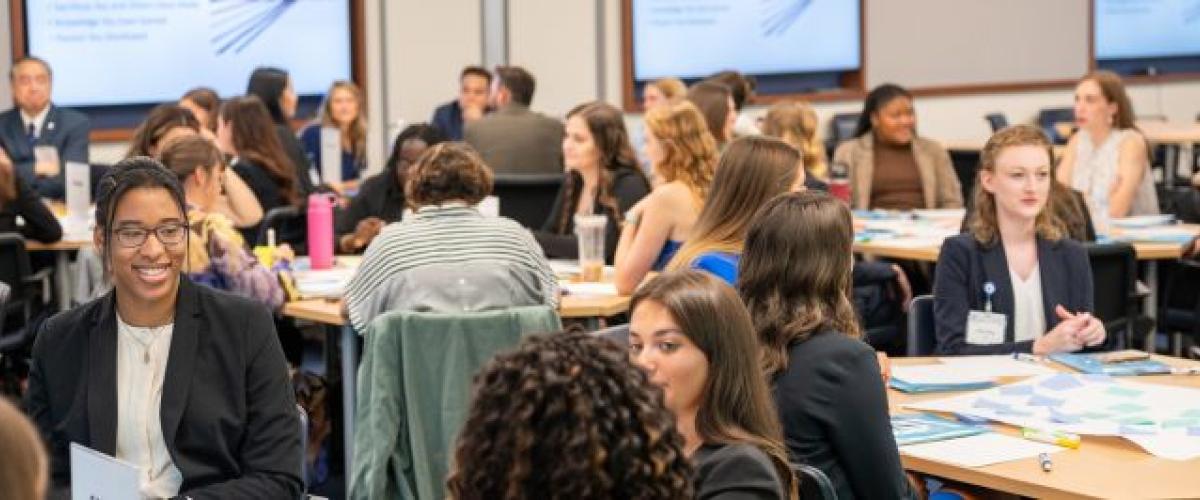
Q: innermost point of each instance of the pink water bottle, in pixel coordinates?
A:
(320, 231)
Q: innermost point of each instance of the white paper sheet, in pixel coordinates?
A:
(96, 475)
(589, 289)
(997, 366)
(979, 450)
(937, 374)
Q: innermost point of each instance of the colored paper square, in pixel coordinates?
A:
(1124, 392)
(1016, 390)
(1126, 407)
(1014, 412)
(1061, 382)
(1180, 422)
(1064, 418)
(1095, 415)
(1193, 413)
(1194, 430)
(1098, 378)
(1136, 420)
(1138, 430)
(987, 403)
(1039, 400)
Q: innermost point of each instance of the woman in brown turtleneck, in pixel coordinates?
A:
(890, 167)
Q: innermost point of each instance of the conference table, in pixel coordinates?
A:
(1102, 467)
(329, 313)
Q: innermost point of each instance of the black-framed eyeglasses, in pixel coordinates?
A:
(169, 234)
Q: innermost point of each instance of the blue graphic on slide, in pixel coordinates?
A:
(782, 15)
(240, 30)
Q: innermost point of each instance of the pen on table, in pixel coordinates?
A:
(1044, 460)
(1064, 439)
(1026, 357)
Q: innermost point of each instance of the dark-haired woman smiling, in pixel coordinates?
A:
(186, 383)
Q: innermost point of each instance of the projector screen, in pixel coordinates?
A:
(1132, 29)
(696, 38)
(116, 52)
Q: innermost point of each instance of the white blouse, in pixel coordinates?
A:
(1095, 174)
(141, 366)
(1029, 316)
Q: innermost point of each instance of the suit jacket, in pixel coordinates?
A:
(65, 129)
(834, 411)
(448, 119)
(228, 413)
(938, 180)
(515, 140)
(965, 265)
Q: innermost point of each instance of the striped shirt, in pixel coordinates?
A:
(446, 234)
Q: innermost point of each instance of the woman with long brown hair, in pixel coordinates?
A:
(164, 123)
(566, 415)
(205, 104)
(1015, 262)
(345, 110)
(683, 155)
(796, 123)
(693, 336)
(751, 171)
(715, 102)
(244, 130)
(1109, 161)
(796, 280)
(602, 179)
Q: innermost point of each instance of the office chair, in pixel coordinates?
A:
(527, 198)
(284, 220)
(997, 120)
(1049, 118)
(814, 484)
(1114, 278)
(922, 334)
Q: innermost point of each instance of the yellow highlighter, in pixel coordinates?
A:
(1064, 439)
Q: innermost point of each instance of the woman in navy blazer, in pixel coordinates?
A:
(1012, 237)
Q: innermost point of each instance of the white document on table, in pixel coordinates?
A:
(936, 374)
(997, 366)
(96, 476)
(979, 450)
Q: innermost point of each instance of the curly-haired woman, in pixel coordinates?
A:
(566, 415)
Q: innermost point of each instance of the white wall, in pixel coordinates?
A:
(426, 45)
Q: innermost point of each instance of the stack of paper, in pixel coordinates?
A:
(924, 427)
(936, 378)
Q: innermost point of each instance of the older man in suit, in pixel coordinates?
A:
(514, 139)
(34, 121)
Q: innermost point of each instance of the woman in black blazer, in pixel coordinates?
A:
(1015, 264)
(214, 395)
(795, 278)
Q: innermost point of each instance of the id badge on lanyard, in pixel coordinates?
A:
(986, 327)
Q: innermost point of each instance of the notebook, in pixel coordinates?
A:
(1111, 363)
(924, 427)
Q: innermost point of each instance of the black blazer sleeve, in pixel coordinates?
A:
(956, 291)
(370, 194)
(561, 245)
(270, 452)
(40, 222)
(834, 411)
(737, 472)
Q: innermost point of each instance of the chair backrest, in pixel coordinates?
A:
(1114, 278)
(527, 198)
(281, 219)
(841, 127)
(303, 451)
(5, 290)
(1049, 118)
(618, 334)
(922, 334)
(14, 264)
(814, 484)
(996, 120)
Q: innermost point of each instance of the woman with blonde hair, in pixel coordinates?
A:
(344, 110)
(663, 91)
(796, 123)
(24, 470)
(1015, 262)
(751, 171)
(1109, 162)
(683, 155)
(796, 281)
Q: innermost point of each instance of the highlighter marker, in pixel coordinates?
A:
(1064, 439)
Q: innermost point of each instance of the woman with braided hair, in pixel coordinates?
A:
(566, 415)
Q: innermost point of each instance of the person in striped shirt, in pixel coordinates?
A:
(443, 187)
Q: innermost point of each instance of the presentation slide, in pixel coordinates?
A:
(695, 38)
(111, 52)
(1130, 29)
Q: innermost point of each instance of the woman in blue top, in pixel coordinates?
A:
(1014, 282)
(683, 154)
(751, 171)
(342, 109)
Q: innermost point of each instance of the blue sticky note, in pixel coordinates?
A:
(1064, 418)
(1124, 392)
(1194, 430)
(1061, 382)
(1016, 390)
(1137, 430)
(1136, 420)
(1014, 412)
(1039, 400)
